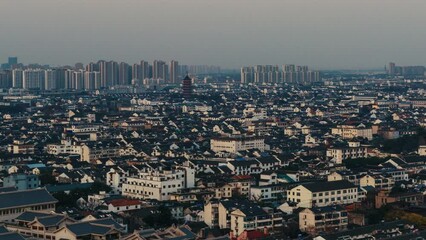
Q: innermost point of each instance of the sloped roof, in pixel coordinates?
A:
(100, 226)
(29, 216)
(328, 186)
(25, 198)
(53, 220)
(11, 236)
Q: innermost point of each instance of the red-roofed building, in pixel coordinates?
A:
(251, 235)
(121, 205)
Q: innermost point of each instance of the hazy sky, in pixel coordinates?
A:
(330, 34)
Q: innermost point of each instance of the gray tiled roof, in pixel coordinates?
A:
(83, 229)
(29, 216)
(7, 189)
(25, 198)
(3, 230)
(51, 220)
(328, 186)
(101, 227)
(11, 236)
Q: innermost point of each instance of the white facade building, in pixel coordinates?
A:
(238, 143)
(158, 184)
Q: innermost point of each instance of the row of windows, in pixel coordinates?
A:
(138, 192)
(332, 192)
(333, 199)
(20, 210)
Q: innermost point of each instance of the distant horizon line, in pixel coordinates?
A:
(382, 68)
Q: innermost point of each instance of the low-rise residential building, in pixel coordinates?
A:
(267, 192)
(91, 151)
(235, 144)
(218, 213)
(349, 176)
(253, 217)
(65, 147)
(158, 184)
(397, 174)
(121, 205)
(22, 181)
(323, 219)
(350, 132)
(386, 197)
(377, 181)
(322, 194)
(21, 147)
(115, 178)
(339, 154)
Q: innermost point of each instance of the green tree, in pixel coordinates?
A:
(163, 219)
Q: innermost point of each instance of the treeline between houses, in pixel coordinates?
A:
(362, 162)
(69, 200)
(404, 144)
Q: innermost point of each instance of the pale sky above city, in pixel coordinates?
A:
(324, 34)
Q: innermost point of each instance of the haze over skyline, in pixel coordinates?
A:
(324, 34)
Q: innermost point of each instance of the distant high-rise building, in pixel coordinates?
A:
(160, 70)
(33, 79)
(247, 74)
(124, 74)
(109, 73)
(60, 78)
(92, 80)
(136, 72)
(187, 86)
(174, 71)
(272, 74)
(146, 71)
(50, 79)
(68, 78)
(77, 80)
(12, 61)
(391, 70)
(92, 67)
(17, 78)
(406, 70)
(79, 66)
(289, 68)
(6, 79)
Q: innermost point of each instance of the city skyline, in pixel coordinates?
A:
(212, 119)
(323, 34)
